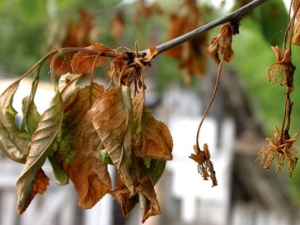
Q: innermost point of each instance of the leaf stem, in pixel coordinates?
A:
(236, 15)
(211, 101)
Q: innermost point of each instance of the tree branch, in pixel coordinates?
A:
(236, 15)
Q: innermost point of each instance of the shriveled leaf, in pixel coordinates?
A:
(32, 116)
(123, 196)
(39, 187)
(41, 142)
(82, 62)
(111, 115)
(80, 147)
(153, 138)
(13, 141)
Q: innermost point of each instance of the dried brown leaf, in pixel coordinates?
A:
(83, 62)
(111, 115)
(153, 138)
(80, 147)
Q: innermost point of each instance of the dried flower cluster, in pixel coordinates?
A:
(205, 166)
(281, 148)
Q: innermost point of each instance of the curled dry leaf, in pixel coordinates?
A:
(41, 142)
(152, 138)
(282, 149)
(221, 44)
(83, 62)
(205, 166)
(80, 146)
(13, 142)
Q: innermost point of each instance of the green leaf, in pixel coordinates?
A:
(59, 173)
(156, 170)
(13, 141)
(31, 117)
(41, 142)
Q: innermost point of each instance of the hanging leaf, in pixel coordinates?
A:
(80, 148)
(41, 142)
(13, 141)
(111, 116)
(153, 138)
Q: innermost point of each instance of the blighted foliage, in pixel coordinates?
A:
(86, 128)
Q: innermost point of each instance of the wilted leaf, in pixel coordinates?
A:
(13, 141)
(111, 115)
(82, 62)
(296, 35)
(221, 43)
(80, 147)
(147, 196)
(41, 142)
(39, 187)
(148, 201)
(153, 138)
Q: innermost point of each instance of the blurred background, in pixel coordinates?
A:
(179, 86)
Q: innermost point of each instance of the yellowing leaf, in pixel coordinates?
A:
(13, 142)
(41, 142)
(111, 116)
(153, 138)
(80, 146)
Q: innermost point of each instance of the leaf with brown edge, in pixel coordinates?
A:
(82, 62)
(39, 187)
(13, 142)
(111, 116)
(41, 142)
(80, 146)
(152, 137)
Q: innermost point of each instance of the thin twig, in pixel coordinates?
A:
(236, 15)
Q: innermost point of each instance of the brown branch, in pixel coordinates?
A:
(234, 16)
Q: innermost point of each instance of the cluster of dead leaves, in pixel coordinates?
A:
(84, 129)
(190, 54)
